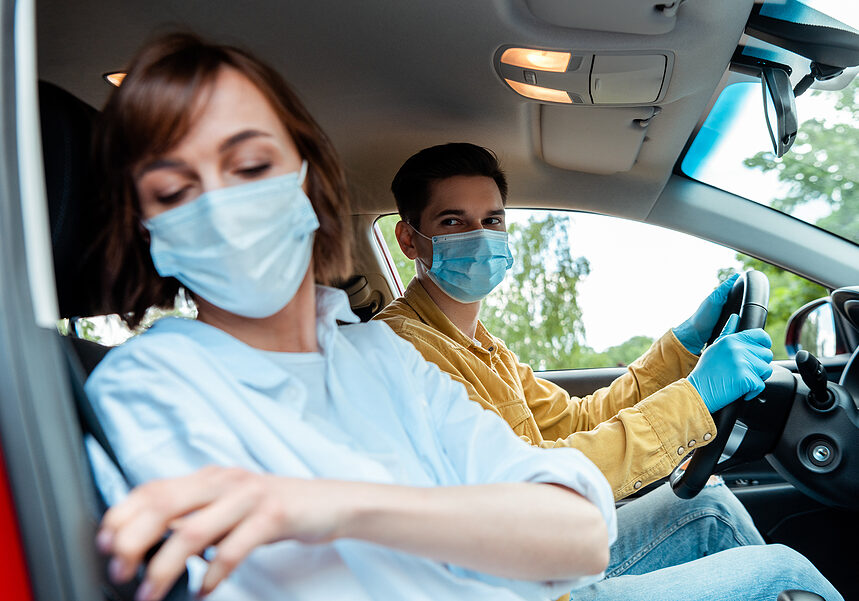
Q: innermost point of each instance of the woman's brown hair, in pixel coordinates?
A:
(149, 114)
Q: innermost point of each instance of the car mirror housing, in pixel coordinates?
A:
(821, 328)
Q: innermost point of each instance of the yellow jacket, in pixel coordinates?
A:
(636, 430)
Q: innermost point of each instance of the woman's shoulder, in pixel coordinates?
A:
(165, 343)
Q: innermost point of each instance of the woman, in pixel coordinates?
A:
(336, 458)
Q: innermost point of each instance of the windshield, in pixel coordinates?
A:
(817, 180)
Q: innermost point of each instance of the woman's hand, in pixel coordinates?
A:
(230, 508)
(236, 511)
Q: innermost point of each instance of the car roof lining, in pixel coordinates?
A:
(385, 83)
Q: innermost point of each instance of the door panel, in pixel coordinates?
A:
(581, 382)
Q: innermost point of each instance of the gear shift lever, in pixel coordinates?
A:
(814, 376)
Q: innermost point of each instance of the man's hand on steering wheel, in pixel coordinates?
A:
(696, 331)
(734, 367)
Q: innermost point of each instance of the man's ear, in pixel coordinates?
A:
(406, 238)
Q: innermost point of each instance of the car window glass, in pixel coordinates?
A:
(589, 290)
(110, 330)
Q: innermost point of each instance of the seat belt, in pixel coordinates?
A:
(90, 425)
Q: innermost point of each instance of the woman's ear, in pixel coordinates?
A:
(406, 238)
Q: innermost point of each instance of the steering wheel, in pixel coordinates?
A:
(749, 298)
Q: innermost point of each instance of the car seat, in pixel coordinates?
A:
(67, 126)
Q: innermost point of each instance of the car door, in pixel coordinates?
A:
(44, 478)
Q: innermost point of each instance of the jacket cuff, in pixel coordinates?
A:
(686, 426)
(667, 360)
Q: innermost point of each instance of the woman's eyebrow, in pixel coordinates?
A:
(159, 164)
(224, 146)
(241, 137)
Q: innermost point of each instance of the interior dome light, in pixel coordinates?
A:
(542, 60)
(115, 78)
(539, 93)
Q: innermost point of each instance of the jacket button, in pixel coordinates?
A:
(708, 436)
(691, 443)
(680, 450)
(637, 485)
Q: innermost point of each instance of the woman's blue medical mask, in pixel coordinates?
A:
(469, 265)
(244, 248)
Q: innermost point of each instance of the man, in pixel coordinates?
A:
(451, 202)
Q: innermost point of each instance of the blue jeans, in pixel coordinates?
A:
(703, 549)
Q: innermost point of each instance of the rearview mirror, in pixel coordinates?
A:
(779, 108)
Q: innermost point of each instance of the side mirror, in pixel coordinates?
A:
(819, 329)
(779, 108)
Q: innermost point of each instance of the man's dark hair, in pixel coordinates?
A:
(413, 183)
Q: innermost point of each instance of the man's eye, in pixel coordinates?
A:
(450, 221)
(492, 221)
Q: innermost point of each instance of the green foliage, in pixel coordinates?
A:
(626, 352)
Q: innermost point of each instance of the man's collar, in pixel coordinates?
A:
(420, 301)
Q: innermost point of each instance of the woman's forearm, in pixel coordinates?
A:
(518, 530)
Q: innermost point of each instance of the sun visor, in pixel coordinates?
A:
(622, 16)
(593, 139)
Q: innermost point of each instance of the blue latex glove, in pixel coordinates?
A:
(695, 331)
(734, 367)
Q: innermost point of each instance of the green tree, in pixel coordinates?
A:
(626, 352)
(821, 168)
(535, 310)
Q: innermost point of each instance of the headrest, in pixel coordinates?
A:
(67, 126)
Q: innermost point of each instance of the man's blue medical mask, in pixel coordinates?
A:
(244, 248)
(469, 265)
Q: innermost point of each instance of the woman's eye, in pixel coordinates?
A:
(253, 170)
(171, 197)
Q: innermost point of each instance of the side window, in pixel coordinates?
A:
(110, 330)
(595, 291)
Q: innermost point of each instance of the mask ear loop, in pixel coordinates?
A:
(302, 172)
(415, 230)
(418, 259)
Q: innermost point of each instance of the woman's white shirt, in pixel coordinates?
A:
(185, 395)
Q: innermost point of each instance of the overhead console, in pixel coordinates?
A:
(622, 16)
(581, 77)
